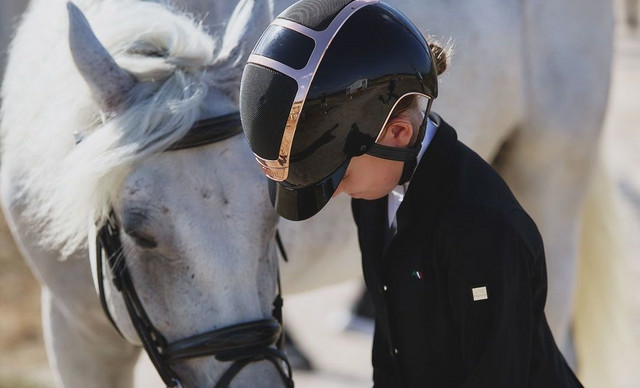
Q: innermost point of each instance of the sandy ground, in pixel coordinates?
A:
(341, 358)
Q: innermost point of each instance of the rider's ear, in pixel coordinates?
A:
(398, 133)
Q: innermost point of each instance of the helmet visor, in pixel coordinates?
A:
(297, 204)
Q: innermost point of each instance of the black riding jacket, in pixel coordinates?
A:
(460, 289)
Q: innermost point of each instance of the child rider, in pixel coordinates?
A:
(336, 98)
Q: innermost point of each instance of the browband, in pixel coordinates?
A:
(210, 131)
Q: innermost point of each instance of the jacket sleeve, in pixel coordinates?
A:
(490, 298)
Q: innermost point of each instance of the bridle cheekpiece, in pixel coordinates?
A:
(241, 344)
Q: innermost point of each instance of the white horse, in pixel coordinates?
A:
(197, 224)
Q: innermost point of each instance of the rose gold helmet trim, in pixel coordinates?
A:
(386, 121)
(278, 169)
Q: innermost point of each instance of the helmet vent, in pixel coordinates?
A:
(267, 97)
(314, 14)
(285, 46)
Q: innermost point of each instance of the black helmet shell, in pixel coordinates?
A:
(319, 87)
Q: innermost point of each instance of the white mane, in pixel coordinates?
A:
(167, 52)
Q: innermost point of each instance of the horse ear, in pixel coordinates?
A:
(108, 82)
(247, 22)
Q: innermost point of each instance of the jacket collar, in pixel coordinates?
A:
(423, 197)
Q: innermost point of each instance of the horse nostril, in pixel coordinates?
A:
(142, 239)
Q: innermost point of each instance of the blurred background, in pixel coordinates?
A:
(340, 357)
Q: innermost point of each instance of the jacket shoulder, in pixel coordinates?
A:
(487, 232)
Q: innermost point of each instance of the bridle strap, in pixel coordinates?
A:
(152, 340)
(272, 355)
(278, 302)
(209, 131)
(242, 343)
(283, 252)
(226, 341)
(100, 284)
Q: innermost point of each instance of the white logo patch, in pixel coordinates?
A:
(479, 293)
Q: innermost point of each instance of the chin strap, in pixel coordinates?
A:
(407, 155)
(407, 170)
(395, 153)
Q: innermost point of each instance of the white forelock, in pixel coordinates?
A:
(168, 53)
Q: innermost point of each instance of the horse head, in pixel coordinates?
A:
(194, 224)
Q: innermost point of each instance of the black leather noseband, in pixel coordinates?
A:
(242, 344)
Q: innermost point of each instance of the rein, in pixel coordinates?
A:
(242, 343)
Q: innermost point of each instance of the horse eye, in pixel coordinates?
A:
(143, 240)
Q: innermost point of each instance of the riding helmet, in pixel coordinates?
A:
(318, 88)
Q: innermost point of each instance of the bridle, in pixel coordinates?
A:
(242, 343)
